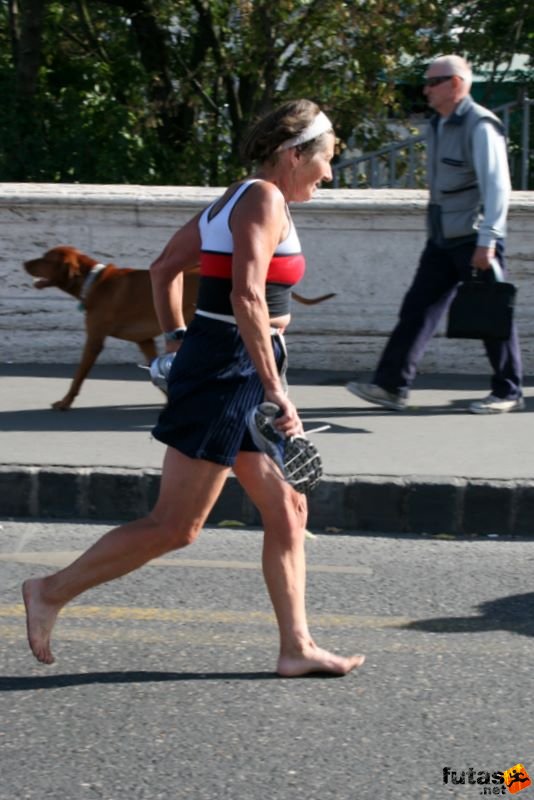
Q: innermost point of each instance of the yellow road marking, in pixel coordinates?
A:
(198, 636)
(60, 558)
(193, 636)
(209, 616)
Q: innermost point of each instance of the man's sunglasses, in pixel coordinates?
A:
(438, 80)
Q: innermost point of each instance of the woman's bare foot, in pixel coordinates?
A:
(40, 619)
(317, 660)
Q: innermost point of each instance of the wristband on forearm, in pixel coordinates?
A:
(175, 336)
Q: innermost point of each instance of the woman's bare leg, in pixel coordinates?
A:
(189, 488)
(284, 513)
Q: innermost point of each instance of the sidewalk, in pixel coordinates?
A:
(433, 468)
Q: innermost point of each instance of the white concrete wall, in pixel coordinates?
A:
(362, 244)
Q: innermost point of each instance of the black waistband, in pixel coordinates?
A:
(214, 296)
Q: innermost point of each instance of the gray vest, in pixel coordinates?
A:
(454, 208)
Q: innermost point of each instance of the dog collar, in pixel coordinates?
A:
(92, 275)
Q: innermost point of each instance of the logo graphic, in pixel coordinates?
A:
(501, 782)
(516, 778)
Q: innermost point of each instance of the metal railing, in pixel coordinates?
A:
(402, 164)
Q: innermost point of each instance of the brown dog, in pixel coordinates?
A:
(117, 302)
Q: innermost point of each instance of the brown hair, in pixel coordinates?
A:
(285, 122)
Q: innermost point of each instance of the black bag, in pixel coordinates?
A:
(483, 307)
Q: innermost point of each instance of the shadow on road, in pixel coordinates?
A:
(514, 613)
(95, 418)
(14, 683)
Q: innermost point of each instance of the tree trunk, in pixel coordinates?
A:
(26, 18)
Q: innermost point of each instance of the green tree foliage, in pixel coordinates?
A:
(161, 91)
(491, 33)
(497, 36)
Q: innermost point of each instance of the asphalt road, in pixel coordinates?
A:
(163, 686)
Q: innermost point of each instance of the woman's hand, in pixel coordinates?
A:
(289, 423)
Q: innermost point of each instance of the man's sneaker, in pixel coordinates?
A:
(375, 394)
(297, 458)
(496, 405)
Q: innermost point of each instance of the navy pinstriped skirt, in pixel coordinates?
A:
(213, 384)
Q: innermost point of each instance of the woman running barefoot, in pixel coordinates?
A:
(230, 359)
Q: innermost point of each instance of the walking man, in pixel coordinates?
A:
(469, 186)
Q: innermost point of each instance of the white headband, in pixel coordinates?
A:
(321, 124)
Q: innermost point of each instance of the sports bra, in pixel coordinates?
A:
(285, 269)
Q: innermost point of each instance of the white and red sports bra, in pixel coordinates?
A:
(286, 268)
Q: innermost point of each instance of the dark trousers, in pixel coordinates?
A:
(433, 287)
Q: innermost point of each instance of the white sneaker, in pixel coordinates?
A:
(160, 369)
(296, 457)
(496, 405)
(375, 394)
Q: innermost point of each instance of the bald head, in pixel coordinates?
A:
(453, 65)
(447, 82)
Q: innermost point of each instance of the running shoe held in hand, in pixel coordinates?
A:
(297, 458)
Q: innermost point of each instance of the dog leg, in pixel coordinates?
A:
(91, 351)
(148, 349)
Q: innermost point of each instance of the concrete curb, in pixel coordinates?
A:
(415, 504)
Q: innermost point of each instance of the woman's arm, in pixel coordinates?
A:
(258, 225)
(166, 273)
